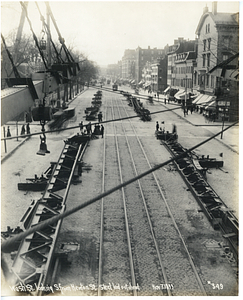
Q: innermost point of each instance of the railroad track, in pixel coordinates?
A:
(143, 248)
(115, 273)
(140, 166)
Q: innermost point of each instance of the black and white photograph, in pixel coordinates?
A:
(120, 148)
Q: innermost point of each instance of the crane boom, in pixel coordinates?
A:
(20, 30)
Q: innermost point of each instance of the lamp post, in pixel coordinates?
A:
(225, 106)
(185, 93)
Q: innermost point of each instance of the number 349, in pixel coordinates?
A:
(218, 286)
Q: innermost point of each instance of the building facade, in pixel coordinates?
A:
(142, 56)
(159, 75)
(218, 42)
(128, 65)
(181, 60)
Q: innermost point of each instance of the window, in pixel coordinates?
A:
(212, 81)
(209, 44)
(208, 59)
(226, 42)
(225, 56)
(204, 45)
(204, 59)
(207, 80)
(208, 27)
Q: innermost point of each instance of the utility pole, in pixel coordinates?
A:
(223, 120)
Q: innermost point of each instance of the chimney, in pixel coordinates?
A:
(205, 10)
(214, 8)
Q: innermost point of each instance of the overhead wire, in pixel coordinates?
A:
(178, 106)
(6, 244)
(94, 123)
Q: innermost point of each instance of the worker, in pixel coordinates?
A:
(102, 131)
(157, 126)
(89, 128)
(100, 117)
(23, 130)
(28, 128)
(81, 126)
(8, 132)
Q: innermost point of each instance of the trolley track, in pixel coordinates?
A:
(115, 270)
(149, 193)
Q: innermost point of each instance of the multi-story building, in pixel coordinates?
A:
(113, 71)
(218, 41)
(142, 56)
(128, 65)
(183, 74)
(159, 75)
(180, 53)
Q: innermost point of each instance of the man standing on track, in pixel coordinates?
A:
(100, 117)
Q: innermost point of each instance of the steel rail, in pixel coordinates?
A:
(146, 209)
(50, 240)
(77, 126)
(171, 215)
(102, 222)
(20, 236)
(208, 213)
(133, 277)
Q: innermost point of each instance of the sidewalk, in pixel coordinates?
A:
(11, 145)
(230, 137)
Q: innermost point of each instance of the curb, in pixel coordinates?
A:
(198, 125)
(12, 151)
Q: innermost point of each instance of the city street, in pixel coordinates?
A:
(83, 227)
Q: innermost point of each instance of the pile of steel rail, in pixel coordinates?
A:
(138, 107)
(96, 102)
(211, 204)
(32, 262)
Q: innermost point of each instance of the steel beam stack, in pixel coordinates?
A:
(33, 259)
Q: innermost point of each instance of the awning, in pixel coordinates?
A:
(204, 100)
(211, 105)
(195, 101)
(166, 90)
(177, 95)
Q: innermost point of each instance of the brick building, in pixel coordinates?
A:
(142, 56)
(218, 42)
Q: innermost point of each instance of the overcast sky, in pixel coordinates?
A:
(102, 30)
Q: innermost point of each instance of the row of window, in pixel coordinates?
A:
(185, 83)
(206, 59)
(204, 80)
(181, 70)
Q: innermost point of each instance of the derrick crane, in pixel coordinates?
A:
(16, 73)
(19, 32)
